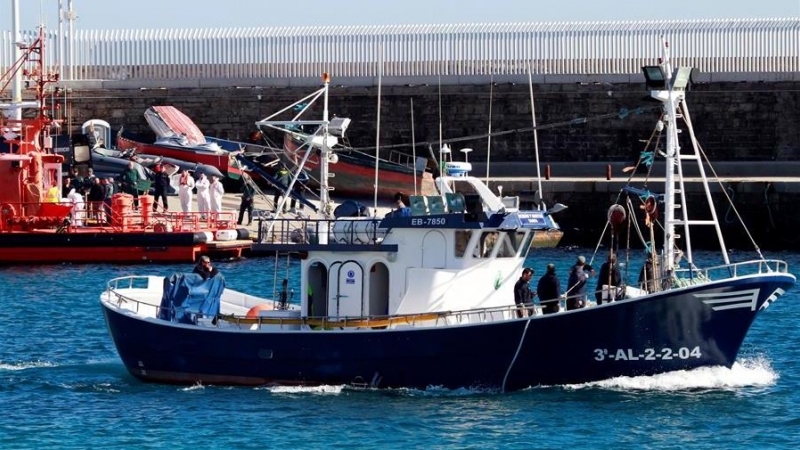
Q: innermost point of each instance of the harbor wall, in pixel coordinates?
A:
(746, 124)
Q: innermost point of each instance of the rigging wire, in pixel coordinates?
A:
(489, 142)
(622, 113)
(413, 146)
(535, 133)
(378, 130)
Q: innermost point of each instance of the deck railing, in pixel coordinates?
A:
(554, 48)
(430, 319)
(306, 231)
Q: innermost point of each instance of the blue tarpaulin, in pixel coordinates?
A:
(188, 296)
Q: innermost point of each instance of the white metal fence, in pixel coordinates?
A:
(574, 48)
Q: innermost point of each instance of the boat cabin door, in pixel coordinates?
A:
(346, 289)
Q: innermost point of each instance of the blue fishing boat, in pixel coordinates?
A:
(425, 297)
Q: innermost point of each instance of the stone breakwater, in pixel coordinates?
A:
(748, 123)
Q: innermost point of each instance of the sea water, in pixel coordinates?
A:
(62, 385)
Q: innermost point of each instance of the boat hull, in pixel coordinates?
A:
(104, 246)
(355, 177)
(677, 330)
(223, 161)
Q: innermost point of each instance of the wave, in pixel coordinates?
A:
(752, 372)
(194, 387)
(24, 365)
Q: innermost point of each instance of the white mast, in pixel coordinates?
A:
(15, 112)
(673, 152)
(324, 198)
(61, 14)
(71, 16)
(672, 93)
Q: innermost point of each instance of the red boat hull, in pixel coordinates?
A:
(355, 177)
(93, 245)
(223, 161)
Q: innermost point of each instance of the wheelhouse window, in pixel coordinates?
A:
(462, 242)
(510, 243)
(526, 243)
(486, 243)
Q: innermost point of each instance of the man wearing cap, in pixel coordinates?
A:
(576, 285)
(610, 277)
(523, 296)
(549, 290)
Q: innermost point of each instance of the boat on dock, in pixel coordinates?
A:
(354, 172)
(178, 137)
(426, 297)
(40, 223)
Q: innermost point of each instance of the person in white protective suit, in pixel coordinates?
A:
(78, 208)
(185, 191)
(216, 194)
(203, 196)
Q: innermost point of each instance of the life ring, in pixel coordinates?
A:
(7, 210)
(650, 205)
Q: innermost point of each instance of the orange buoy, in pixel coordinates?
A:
(255, 311)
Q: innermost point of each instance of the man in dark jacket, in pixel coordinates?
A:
(95, 198)
(523, 296)
(246, 204)
(204, 268)
(129, 181)
(576, 284)
(284, 177)
(549, 290)
(160, 187)
(609, 276)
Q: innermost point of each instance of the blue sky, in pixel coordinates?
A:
(147, 14)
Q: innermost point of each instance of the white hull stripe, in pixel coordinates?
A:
(778, 292)
(720, 301)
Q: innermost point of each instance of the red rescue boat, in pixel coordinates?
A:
(38, 225)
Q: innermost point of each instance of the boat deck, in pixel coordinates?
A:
(231, 249)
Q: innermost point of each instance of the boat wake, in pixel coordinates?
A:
(746, 373)
(318, 390)
(439, 391)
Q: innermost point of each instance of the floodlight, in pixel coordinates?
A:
(654, 77)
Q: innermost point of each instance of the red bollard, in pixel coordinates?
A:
(547, 172)
(608, 172)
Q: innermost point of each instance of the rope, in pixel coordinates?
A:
(730, 202)
(516, 354)
(728, 212)
(621, 114)
(636, 223)
(275, 278)
(766, 202)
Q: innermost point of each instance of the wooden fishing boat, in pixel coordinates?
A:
(427, 297)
